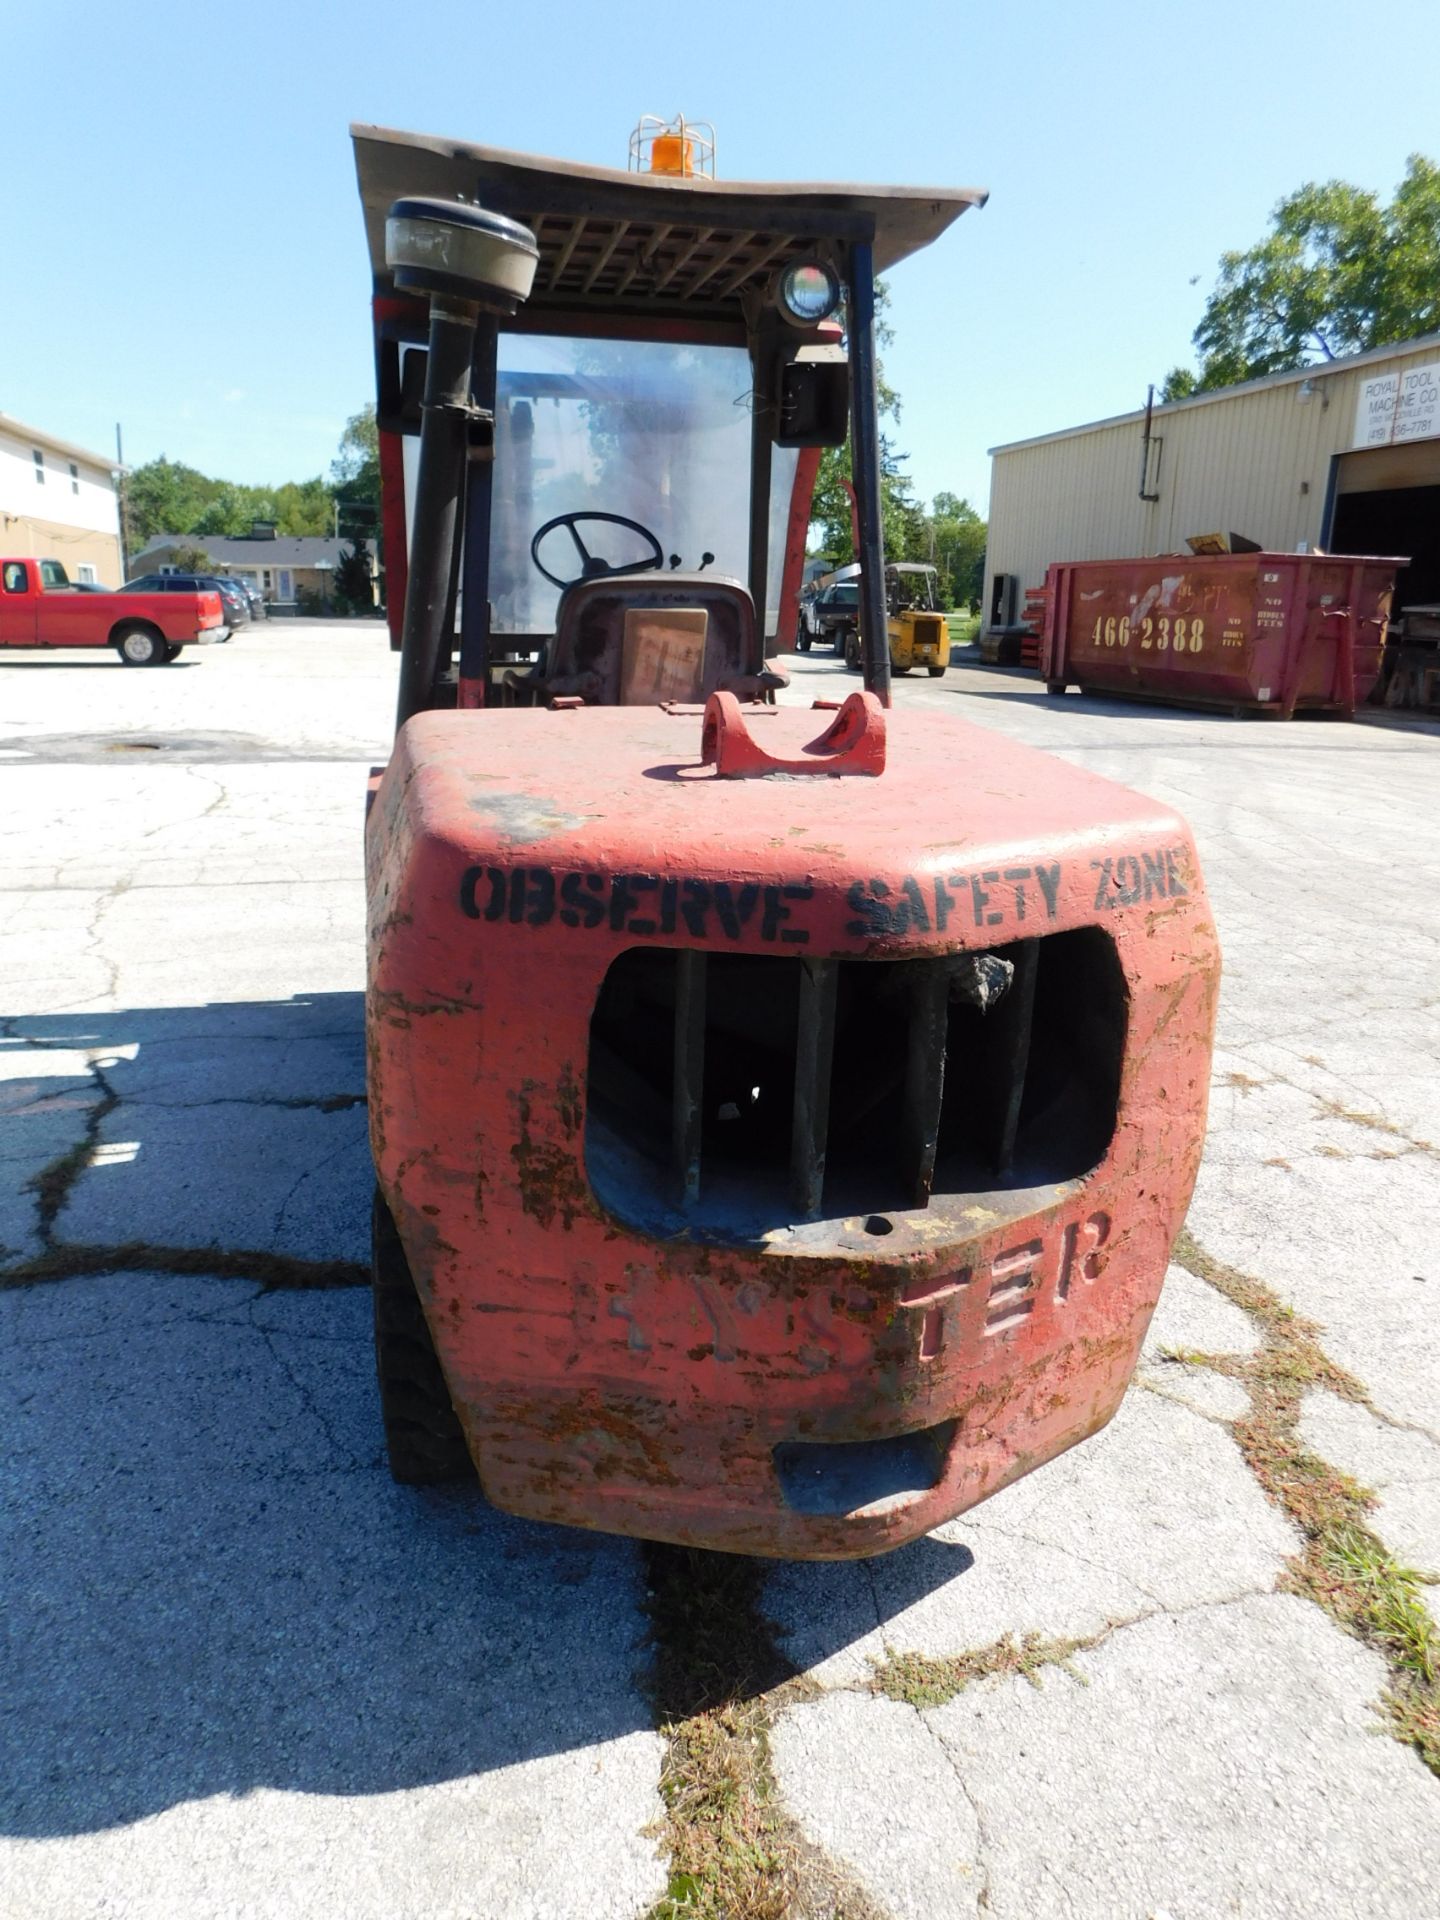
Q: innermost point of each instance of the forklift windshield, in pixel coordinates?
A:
(911, 588)
(651, 431)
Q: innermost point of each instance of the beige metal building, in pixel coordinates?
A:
(1344, 456)
(58, 502)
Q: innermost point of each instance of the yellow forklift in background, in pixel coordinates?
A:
(918, 632)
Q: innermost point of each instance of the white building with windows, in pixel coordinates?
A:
(59, 502)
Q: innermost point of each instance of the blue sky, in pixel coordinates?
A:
(185, 254)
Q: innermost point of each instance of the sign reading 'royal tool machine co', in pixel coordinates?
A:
(1404, 405)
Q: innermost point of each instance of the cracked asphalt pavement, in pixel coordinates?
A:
(247, 1675)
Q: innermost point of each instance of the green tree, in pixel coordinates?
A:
(355, 477)
(353, 592)
(901, 515)
(1339, 272)
(955, 537)
(164, 496)
(302, 507)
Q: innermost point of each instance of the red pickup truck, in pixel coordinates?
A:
(40, 608)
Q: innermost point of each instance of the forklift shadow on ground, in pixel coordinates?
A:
(217, 1585)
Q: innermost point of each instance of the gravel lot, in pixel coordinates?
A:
(247, 1675)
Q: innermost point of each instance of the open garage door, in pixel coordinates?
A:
(1387, 500)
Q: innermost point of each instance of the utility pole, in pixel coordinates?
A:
(120, 501)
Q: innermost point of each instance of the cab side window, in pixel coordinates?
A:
(14, 577)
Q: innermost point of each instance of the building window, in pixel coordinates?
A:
(85, 574)
(39, 467)
(74, 478)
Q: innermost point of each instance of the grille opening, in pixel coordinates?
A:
(731, 1095)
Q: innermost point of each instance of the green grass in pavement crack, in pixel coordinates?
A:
(274, 1272)
(932, 1680)
(1342, 1566)
(51, 1186)
(717, 1681)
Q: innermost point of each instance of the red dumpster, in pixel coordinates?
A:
(1263, 631)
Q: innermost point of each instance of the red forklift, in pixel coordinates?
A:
(781, 1118)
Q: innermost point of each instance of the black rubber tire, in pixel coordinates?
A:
(852, 656)
(424, 1440)
(935, 672)
(129, 640)
(803, 642)
(172, 652)
(1055, 687)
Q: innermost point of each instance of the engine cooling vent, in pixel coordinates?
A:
(730, 1096)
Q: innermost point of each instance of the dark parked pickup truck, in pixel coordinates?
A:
(834, 612)
(40, 608)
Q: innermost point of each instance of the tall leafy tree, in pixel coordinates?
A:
(353, 591)
(900, 513)
(1339, 272)
(951, 536)
(955, 536)
(355, 476)
(165, 496)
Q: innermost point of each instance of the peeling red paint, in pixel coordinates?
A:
(611, 1379)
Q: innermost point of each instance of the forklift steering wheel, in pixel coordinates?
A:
(592, 567)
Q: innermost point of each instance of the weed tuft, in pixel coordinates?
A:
(717, 1681)
(1377, 1123)
(929, 1680)
(1342, 1565)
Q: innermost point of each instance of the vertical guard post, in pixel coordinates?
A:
(467, 261)
(438, 491)
(479, 498)
(865, 472)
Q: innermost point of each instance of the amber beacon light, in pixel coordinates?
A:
(684, 148)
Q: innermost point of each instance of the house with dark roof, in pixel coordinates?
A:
(277, 565)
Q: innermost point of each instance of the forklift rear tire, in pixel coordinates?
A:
(935, 672)
(852, 655)
(1056, 687)
(423, 1439)
(141, 647)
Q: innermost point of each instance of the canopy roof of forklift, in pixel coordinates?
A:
(647, 243)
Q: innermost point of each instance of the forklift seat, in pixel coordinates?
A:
(588, 655)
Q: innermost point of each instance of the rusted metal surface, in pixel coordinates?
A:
(830, 1377)
(1270, 631)
(853, 742)
(624, 242)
